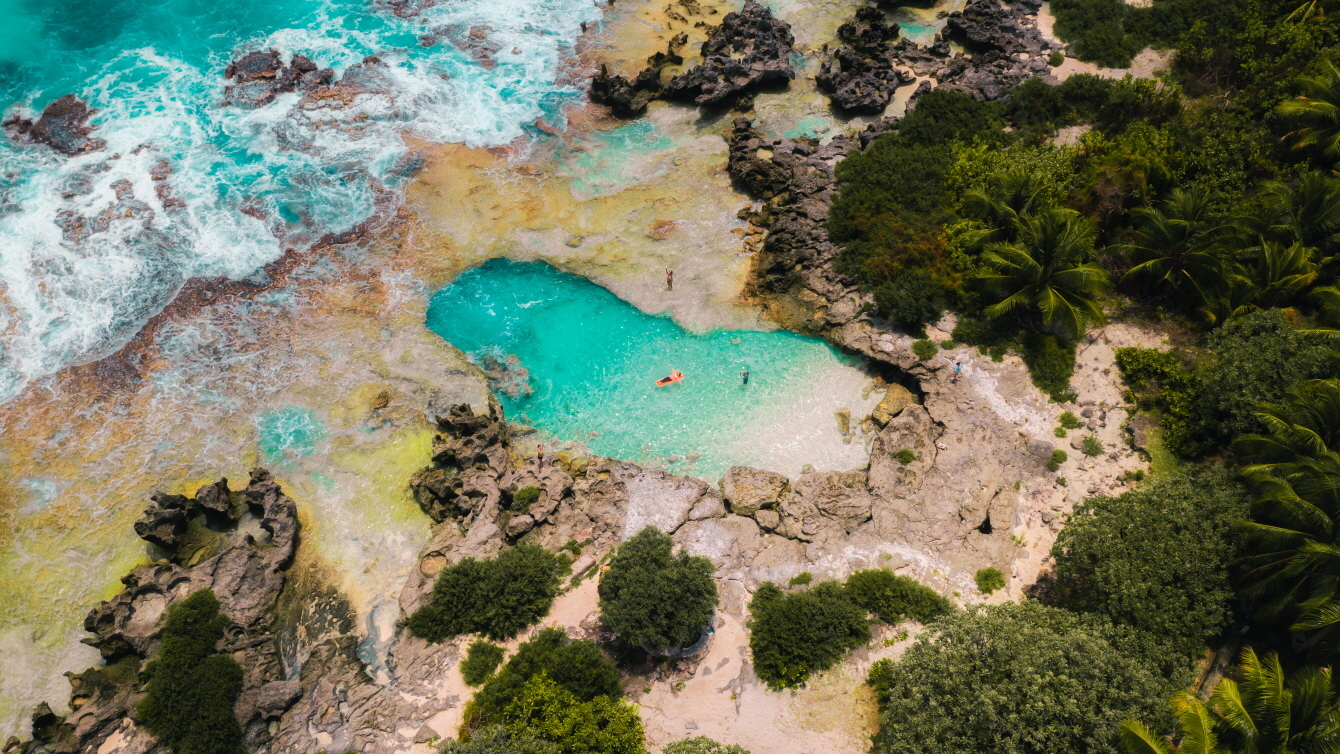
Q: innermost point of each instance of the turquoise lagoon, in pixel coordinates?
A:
(591, 361)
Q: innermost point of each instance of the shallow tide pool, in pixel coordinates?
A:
(573, 360)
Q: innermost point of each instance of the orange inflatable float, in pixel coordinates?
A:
(675, 376)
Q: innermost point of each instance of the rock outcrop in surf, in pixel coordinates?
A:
(63, 126)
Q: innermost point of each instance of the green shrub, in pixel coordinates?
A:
(1258, 358)
(576, 666)
(801, 579)
(525, 497)
(546, 710)
(1015, 678)
(1069, 420)
(702, 745)
(893, 597)
(1058, 457)
(572, 546)
(905, 456)
(797, 634)
(1092, 446)
(890, 208)
(497, 597)
(1050, 362)
(191, 687)
(989, 580)
(912, 299)
(494, 739)
(1157, 558)
(1059, 432)
(924, 349)
(481, 659)
(1062, 481)
(653, 599)
(1055, 59)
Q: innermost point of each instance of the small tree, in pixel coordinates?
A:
(498, 597)
(794, 635)
(548, 711)
(653, 598)
(191, 687)
(702, 745)
(480, 661)
(893, 597)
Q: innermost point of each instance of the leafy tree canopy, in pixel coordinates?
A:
(653, 598)
(498, 597)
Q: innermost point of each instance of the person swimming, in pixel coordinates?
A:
(744, 377)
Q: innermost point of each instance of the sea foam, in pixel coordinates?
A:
(89, 250)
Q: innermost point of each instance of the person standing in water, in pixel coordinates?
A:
(744, 377)
(669, 279)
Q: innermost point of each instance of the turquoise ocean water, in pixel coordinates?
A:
(593, 361)
(154, 70)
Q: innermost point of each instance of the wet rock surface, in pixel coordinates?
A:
(63, 126)
(258, 77)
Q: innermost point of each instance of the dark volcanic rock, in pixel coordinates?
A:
(749, 49)
(861, 75)
(63, 126)
(469, 456)
(164, 523)
(260, 76)
(985, 25)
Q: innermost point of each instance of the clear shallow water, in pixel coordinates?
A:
(154, 69)
(593, 360)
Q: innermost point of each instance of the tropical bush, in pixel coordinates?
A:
(1269, 710)
(481, 659)
(548, 711)
(702, 745)
(893, 597)
(989, 579)
(1157, 558)
(924, 349)
(793, 635)
(190, 687)
(652, 598)
(576, 666)
(495, 739)
(1014, 677)
(498, 597)
(525, 497)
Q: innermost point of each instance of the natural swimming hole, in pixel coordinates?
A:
(573, 360)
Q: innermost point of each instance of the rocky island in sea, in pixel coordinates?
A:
(332, 337)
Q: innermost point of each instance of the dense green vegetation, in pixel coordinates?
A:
(654, 599)
(894, 598)
(798, 633)
(577, 667)
(498, 597)
(1014, 677)
(792, 635)
(481, 659)
(989, 580)
(1156, 558)
(701, 745)
(191, 687)
(602, 725)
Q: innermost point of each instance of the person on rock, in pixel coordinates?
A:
(669, 279)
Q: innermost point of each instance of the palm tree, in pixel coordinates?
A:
(1306, 212)
(1296, 518)
(1317, 111)
(1005, 197)
(1279, 273)
(1267, 712)
(1047, 267)
(1181, 245)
